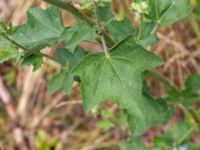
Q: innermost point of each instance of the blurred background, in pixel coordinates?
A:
(58, 122)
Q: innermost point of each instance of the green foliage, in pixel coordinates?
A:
(144, 34)
(193, 82)
(173, 137)
(120, 71)
(76, 34)
(116, 74)
(34, 60)
(167, 12)
(44, 141)
(44, 28)
(64, 79)
(120, 29)
(155, 112)
(7, 50)
(135, 144)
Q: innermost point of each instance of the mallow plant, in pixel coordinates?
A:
(118, 73)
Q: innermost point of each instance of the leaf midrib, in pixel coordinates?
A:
(124, 85)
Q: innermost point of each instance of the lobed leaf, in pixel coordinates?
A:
(44, 28)
(73, 36)
(117, 77)
(167, 12)
(32, 59)
(64, 79)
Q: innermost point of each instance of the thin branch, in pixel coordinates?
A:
(68, 7)
(11, 110)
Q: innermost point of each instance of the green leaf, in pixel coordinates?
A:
(64, 79)
(104, 12)
(44, 28)
(135, 144)
(7, 50)
(167, 12)
(120, 29)
(190, 93)
(193, 82)
(148, 41)
(173, 137)
(144, 34)
(73, 36)
(105, 124)
(35, 60)
(68, 59)
(155, 112)
(116, 77)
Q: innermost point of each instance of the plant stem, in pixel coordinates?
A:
(12, 41)
(50, 57)
(155, 28)
(192, 113)
(26, 49)
(186, 135)
(164, 80)
(70, 8)
(100, 30)
(140, 28)
(67, 6)
(195, 26)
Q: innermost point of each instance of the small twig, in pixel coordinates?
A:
(74, 102)
(46, 110)
(97, 142)
(11, 110)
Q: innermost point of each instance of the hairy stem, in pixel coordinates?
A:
(12, 41)
(195, 26)
(26, 49)
(100, 29)
(68, 7)
(75, 12)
